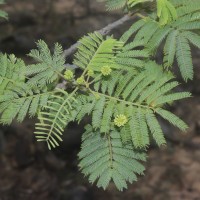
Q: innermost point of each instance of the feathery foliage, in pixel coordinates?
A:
(138, 97)
(54, 117)
(49, 67)
(12, 72)
(21, 100)
(121, 88)
(177, 32)
(166, 12)
(104, 158)
(94, 52)
(24, 89)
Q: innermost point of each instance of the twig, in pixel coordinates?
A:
(104, 31)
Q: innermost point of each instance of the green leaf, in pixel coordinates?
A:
(12, 73)
(18, 102)
(95, 52)
(104, 159)
(173, 119)
(184, 58)
(155, 128)
(48, 68)
(54, 117)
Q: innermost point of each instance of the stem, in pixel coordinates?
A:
(88, 77)
(87, 88)
(110, 150)
(95, 79)
(140, 15)
(61, 75)
(120, 100)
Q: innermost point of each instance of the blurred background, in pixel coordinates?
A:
(29, 171)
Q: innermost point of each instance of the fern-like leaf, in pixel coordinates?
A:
(49, 67)
(177, 31)
(136, 97)
(12, 72)
(184, 58)
(170, 49)
(20, 101)
(166, 11)
(132, 56)
(155, 128)
(95, 52)
(104, 159)
(173, 119)
(54, 117)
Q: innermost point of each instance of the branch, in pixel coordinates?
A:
(104, 31)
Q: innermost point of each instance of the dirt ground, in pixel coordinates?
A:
(28, 171)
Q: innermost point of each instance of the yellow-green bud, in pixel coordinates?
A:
(90, 72)
(106, 70)
(80, 80)
(120, 120)
(68, 75)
